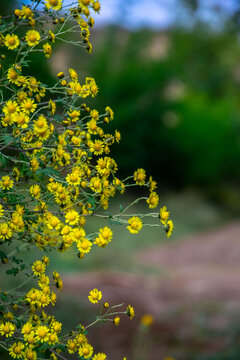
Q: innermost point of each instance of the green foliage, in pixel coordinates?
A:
(176, 94)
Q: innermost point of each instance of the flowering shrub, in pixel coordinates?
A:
(56, 174)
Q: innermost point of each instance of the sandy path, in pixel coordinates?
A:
(197, 277)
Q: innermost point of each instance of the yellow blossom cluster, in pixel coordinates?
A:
(56, 176)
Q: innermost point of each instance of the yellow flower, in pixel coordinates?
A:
(21, 119)
(84, 2)
(33, 84)
(16, 350)
(130, 311)
(56, 326)
(169, 228)
(11, 41)
(99, 356)
(60, 75)
(40, 125)
(13, 73)
(10, 108)
(140, 176)
(38, 267)
(110, 113)
(135, 224)
(81, 339)
(96, 6)
(32, 37)
(34, 164)
(53, 186)
(42, 333)
(85, 350)
(27, 12)
(30, 354)
(73, 75)
(152, 184)
(116, 320)
(1, 210)
(72, 217)
(164, 214)
(18, 12)
(72, 346)
(92, 127)
(52, 338)
(7, 329)
(90, 82)
(28, 106)
(53, 223)
(17, 222)
(35, 191)
(73, 179)
(44, 298)
(30, 338)
(8, 316)
(84, 245)
(47, 49)
(106, 234)
(5, 231)
(54, 4)
(78, 234)
(52, 106)
(95, 296)
(51, 36)
(153, 200)
(117, 136)
(45, 260)
(94, 114)
(74, 115)
(147, 320)
(27, 328)
(7, 120)
(95, 184)
(32, 296)
(43, 281)
(6, 183)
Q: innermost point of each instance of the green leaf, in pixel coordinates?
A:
(7, 139)
(2, 255)
(115, 222)
(47, 171)
(3, 296)
(16, 261)
(12, 271)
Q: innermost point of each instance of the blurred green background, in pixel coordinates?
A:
(174, 89)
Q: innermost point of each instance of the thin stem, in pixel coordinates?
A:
(60, 356)
(20, 285)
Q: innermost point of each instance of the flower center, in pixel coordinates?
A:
(32, 37)
(12, 41)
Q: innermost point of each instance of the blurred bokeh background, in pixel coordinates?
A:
(170, 69)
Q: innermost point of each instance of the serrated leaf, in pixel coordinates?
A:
(7, 139)
(16, 261)
(47, 171)
(12, 271)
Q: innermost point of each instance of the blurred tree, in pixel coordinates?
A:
(191, 4)
(177, 104)
(6, 6)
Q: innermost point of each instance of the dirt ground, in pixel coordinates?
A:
(192, 288)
